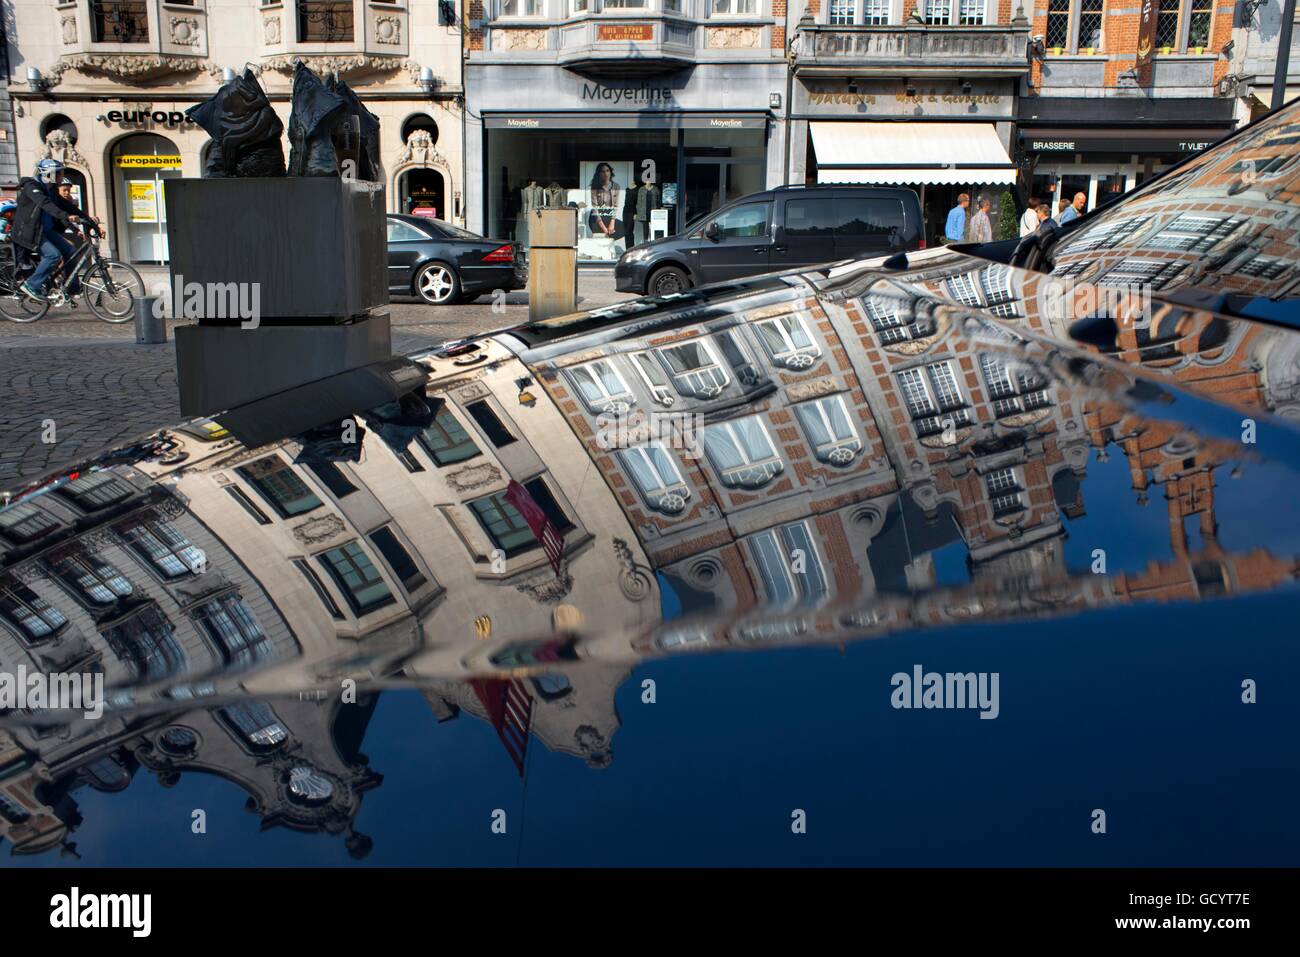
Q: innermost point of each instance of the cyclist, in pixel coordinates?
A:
(39, 221)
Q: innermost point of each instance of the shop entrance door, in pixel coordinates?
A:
(142, 164)
(422, 194)
(712, 183)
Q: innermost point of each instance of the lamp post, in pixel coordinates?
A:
(1283, 54)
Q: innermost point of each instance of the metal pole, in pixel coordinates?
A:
(1283, 54)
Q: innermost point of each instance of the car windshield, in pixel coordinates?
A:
(1224, 223)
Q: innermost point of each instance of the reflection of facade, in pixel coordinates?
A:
(116, 78)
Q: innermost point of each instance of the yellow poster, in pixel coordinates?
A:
(144, 201)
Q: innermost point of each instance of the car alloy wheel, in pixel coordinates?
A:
(437, 283)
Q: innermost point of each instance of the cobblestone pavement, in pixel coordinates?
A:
(99, 389)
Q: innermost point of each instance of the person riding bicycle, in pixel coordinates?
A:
(39, 221)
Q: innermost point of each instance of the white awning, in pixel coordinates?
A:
(914, 153)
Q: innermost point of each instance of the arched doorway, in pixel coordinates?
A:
(142, 163)
(423, 193)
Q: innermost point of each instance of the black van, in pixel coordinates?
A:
(780, 228)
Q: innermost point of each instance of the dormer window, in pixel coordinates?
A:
(601, 387)
(742, 452)
(94, 580)
(657, 477)
(830, 431)
(788, 342)
(696, 369)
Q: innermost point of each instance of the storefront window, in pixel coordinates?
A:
(142, 163)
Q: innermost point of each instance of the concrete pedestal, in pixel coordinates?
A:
(222, 367)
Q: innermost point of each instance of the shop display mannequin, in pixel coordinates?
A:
(534, 198)
(648, 199)
(554, 196)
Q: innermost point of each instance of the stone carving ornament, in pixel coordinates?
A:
(185, 31)
(68, 24)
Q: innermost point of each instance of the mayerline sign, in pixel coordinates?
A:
(643, 95)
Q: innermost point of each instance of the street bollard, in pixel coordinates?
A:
(150, 326)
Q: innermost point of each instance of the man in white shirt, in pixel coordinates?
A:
(1029, 221)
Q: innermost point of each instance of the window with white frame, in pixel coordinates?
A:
(735, 8)
(738, 356)
(1104, 235)
(742, 452)
(1004, 492)
(933, 398)
(1012, 394)
(895, 321)
(788, 342)
(788, 565)
(601, 386)
(521, 8)
(970, 12)
(577, 7)
(623, 4)
(954, 12)
(1157, 273)
(996, 282)
(876, 12)
(1074, 26)
(938, 12)
(830, 429)
(656, 475)
(849, 12)
(962, 288)
(842, 12)
(695, 368)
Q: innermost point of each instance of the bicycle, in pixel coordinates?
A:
(110, 287)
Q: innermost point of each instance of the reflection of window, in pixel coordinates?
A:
(247, 505)
(319, 588)
(962, 288)
(400, 232)
(165, 548)
(280, 485)
(24, 523)
(357, 577)
(656, 475)
(446, 440)
(1012, 394)
(788, 564)
(398, 558)
(11, 810)
(891, 323)
(96, 490)
(1103, 235)
(601, 386)
(1004, 492)
(332, 477)
(830, 431)
(256, 724)
(507, 528)
(933, 398)
(788, 341)
(742, 452)
(653, 376)
(549, 687)
(1190, 233)
(1133, 272)
(696, 369)
(999, 294)
(491, 425)
(145, 642)
(28, 613)
(232, 628)
(93, 579)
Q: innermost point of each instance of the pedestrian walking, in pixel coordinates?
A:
(1029, 221)
(954, 231)
(1073, 210)
(981, 228)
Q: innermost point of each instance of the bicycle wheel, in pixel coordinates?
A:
(14, 306)
(111, 289)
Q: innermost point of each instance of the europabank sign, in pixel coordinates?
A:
(1146, 41)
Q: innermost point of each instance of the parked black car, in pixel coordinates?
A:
(444, 264)
(780, 228)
